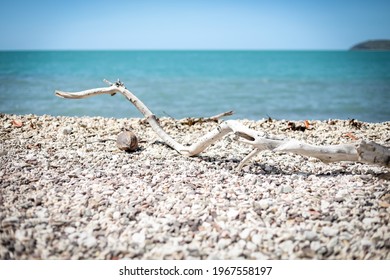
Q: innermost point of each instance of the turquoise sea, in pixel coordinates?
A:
(292, 85)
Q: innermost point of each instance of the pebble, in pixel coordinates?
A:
(232, 213)
(251, 246)
(245, 233)
(256, 239)
(80, 197)
(370, 221)
(332, 243)
(89, 242)
(127, 141)
(287, 246)
(286, 189)
(310, 235)
(223, 243)
(234, 253)
(10, 221)
(67, 130)
(341, 195)
(328, 231)
(69, 230)
(264, 204)
(366, 244)
(116, 215)
(324, 205)
(315, 245)
(138, 238)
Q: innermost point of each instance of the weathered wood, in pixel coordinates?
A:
(119, 87)
(192, 121)
(371, 152)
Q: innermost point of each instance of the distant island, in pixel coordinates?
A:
(372, 45)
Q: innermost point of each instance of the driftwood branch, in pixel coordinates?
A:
(371, 152)
(192, 121)
(118, 86)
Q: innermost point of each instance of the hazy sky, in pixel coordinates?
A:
(185, 24)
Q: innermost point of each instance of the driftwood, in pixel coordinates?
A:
(371, 153)
(192, 121)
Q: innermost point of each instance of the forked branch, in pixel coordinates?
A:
(118, 86)
(371, 152)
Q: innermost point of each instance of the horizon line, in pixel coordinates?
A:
(90, 50)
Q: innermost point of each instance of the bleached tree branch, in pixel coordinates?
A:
(371, 152)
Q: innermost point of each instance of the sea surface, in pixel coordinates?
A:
(291, 85)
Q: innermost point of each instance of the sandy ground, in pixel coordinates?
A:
(67, 192)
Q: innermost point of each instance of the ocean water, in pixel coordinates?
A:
(291, 85)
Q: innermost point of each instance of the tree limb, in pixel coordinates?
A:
(192, 150)
(371, 152)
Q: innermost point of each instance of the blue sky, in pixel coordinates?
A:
(200, 24)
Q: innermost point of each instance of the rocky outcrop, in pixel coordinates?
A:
(372, 45)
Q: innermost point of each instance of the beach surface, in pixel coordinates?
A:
(68, 192)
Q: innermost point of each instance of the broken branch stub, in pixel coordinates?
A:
(371, 152)
(192, 121)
